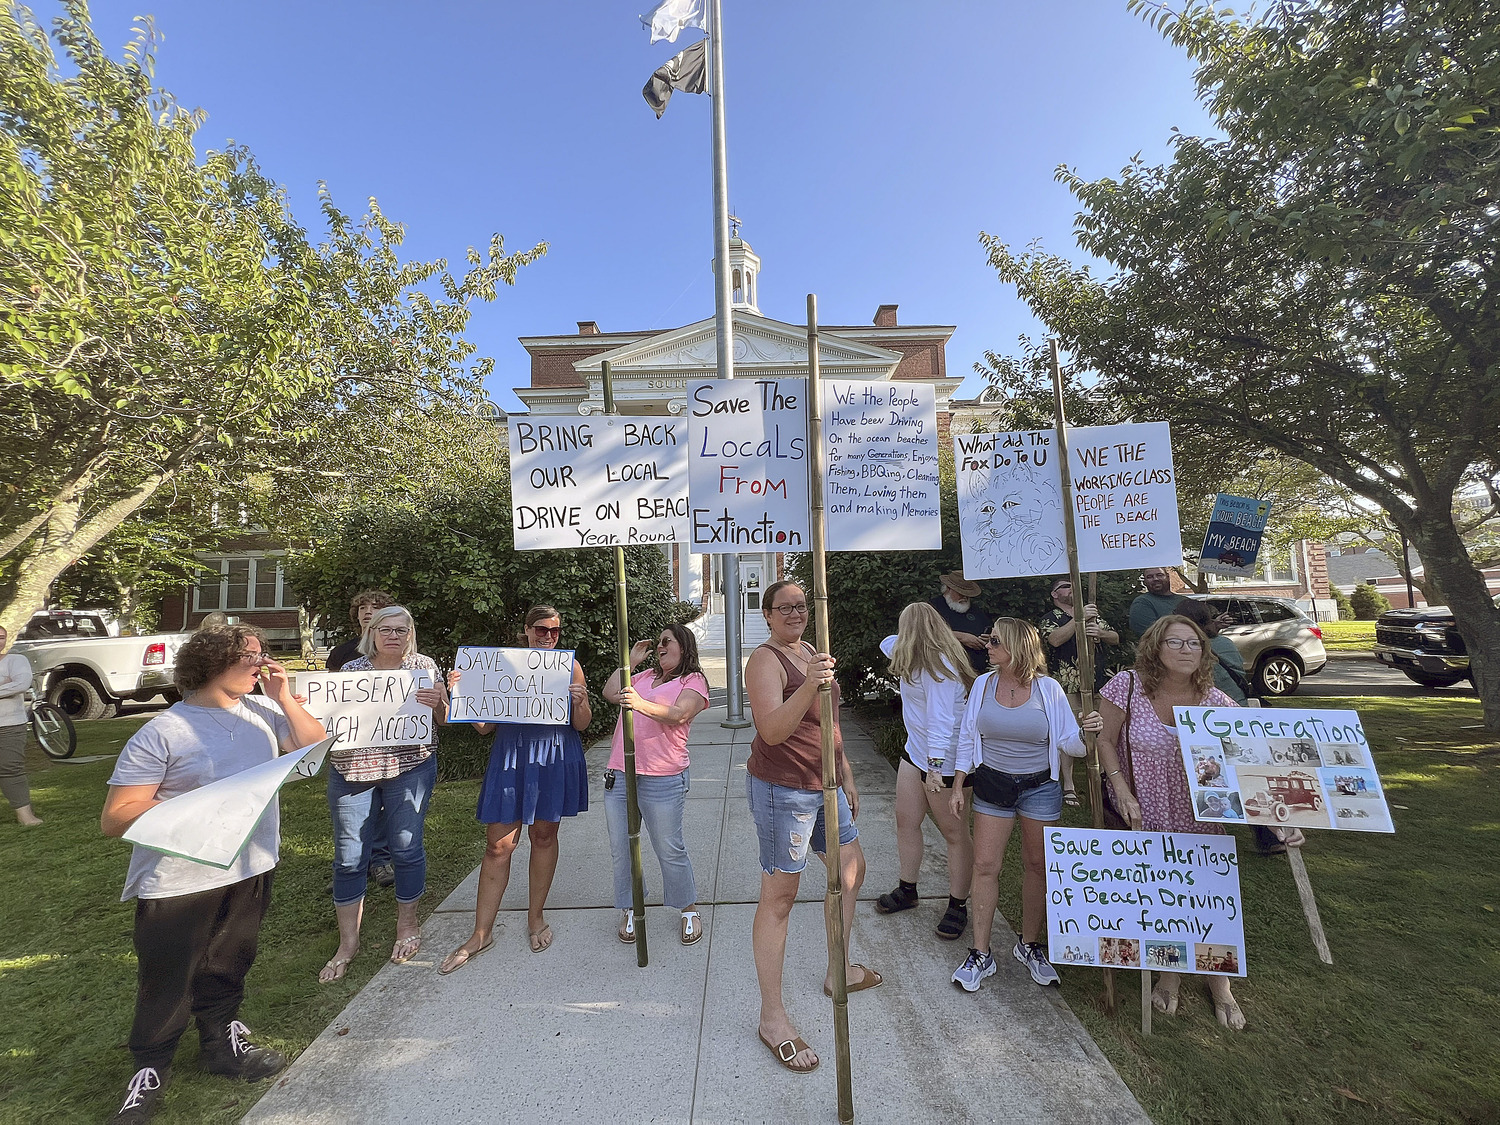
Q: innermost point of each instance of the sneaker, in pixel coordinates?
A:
(141, 1096)
(1034, 956)
(975, 968)
(232, 1055)
(384, 874)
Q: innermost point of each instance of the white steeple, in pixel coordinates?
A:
(744, 265)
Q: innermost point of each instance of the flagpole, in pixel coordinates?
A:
(734, 676)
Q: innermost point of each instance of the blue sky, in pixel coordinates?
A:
(869, 143)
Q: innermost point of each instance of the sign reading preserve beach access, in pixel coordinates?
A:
(598, 482)
(512, 685)
(881, 485)
(373, 708)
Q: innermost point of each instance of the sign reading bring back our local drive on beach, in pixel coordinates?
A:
(1144, 900)
(1281, 767)
(512, 685)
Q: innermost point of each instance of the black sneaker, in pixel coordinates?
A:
(384, 874)
(142, 1096)
(230, 1054)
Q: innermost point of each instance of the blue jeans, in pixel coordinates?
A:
(789, 821)
(662, 800)
(406, 797)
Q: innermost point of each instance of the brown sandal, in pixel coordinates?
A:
(788, 1050)
(869, 980)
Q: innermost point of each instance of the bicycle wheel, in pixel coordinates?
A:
(53, 730)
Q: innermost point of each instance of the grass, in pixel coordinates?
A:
(1348, 636)
(1402, 1027)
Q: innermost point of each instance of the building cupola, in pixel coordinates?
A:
(744, 271)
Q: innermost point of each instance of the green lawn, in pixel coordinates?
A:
(1348, 636)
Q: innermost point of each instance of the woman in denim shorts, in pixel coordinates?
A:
(785, 787)
(1016, 727)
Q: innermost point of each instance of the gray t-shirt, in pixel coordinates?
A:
(1014, 739)
(183, 749)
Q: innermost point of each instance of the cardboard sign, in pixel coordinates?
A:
(1232, 541)
(1010, 507)
(598, 482)
(373, 708)
(512, 685)
(1281, 768)
(881, 484)
(1125, 496)
(747, 465)
(1144, 900)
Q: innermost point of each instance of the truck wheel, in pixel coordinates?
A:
(78, 698)
(1277, 675)
(1431, 679)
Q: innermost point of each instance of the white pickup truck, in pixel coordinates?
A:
(85, 667)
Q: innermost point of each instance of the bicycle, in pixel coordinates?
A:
(53, 729)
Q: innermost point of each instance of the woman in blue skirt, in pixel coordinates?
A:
(536, 776)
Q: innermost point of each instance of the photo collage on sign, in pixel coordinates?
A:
(1282, 769)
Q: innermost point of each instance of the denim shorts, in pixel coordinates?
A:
(1043, 802)
(787, 821)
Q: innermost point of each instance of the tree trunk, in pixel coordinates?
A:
(1455, 579)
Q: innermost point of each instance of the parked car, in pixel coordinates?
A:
(1424, 645)
(1278, 642)
(87, 669)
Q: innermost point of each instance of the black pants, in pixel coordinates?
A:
(194, 952)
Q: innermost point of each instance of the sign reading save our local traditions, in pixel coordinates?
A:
(371, 708)
(1144, 900)
(1281, 767)
(1232, 541)
(512, 685)
(881, 484)
(598, 482)
(747, 465)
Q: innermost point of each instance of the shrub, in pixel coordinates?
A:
(683, 613)
(1341, 600)
(1368, 603)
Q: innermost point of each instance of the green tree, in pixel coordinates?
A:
(1345, 606)
(1323, 278)
(165, 320)
(1368, 603)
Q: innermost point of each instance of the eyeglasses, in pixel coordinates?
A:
(546, 630)
(393, 630)
(791, 609)
(993, 642)
(1191, 644)
(252, 657)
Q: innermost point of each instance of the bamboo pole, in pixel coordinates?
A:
(1309, 904)
(834, 902)
(627, 723)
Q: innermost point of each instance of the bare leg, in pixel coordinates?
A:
(1033, 878)
(991, 835)
(768, 939)
(852, 877)
(1226, 1008)
(407, 925)
(1164, 995)
(911, 808)
(494, 877)
(349, 919)
(955, 831)
(539, 875)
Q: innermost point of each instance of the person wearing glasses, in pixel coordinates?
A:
(665, 700)
(196, 926)
(397, 779)
(1060, 630)
(1142, 762)
(537, 775)
(784, 784)
(1017, 726)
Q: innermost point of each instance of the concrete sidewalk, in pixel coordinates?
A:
(581, 1029)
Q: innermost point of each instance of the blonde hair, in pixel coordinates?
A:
(924, 643)
(367, 639)
(1021, 640)
(1152, 671)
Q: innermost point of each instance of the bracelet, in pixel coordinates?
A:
(1112, 773)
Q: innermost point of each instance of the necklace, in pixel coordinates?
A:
(1008, 687)
(234, 714)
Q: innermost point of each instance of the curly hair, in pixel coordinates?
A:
(377, 598)
(1024, 643)
(925, 644)
(1148, 663)
(210, 652)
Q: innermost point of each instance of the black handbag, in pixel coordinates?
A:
(1003, 790)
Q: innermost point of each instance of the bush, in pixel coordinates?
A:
(683, 613)
(1345, 609)
(1368, 603)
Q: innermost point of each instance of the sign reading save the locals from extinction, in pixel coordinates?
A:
(881, 484)
(371, 708)
(1144, 900)
(1281, 767)
(598, 482)
(747, 465)
(1232, 541)
(512, 685)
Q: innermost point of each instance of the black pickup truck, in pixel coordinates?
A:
(1424, 644)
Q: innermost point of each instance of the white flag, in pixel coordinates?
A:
(669, 17)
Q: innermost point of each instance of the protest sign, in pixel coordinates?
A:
(211, 824)
(1144, 900)
(881, 482)
(1285, 767)
(512, 685)
(1010, 511)
(1124, 496)
(1232, 541)
(747, 465)
(372, 708)
(598, 482)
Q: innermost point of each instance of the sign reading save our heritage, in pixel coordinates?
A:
(598, 482)
(372, 708)
(881, 483)
(512, 685)
(1144, 900)
(1232, 541)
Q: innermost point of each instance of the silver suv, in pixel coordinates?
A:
(1279, 643)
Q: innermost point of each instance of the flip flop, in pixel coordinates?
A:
(1070, 798)
(540, 939)
(626, 932)
(1164, 1001)
(339, 965)
(445, 968)
(789, 1049)
(1229, 1015)
(869, 980)
(406, 948)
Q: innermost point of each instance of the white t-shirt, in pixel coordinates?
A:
(932, 711)
(184, 748)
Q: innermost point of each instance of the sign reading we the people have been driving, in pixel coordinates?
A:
(881, 484)
(1144, 900)
(747, 465)
(512, 685)
(1232, 541)
(378, 707)
(598, 482)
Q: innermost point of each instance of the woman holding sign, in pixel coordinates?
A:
(665, 700)
(1140, 754)
(537, 775)
(397, 779)
(1017, 725)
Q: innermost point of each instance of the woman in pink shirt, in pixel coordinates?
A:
(665, 700)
